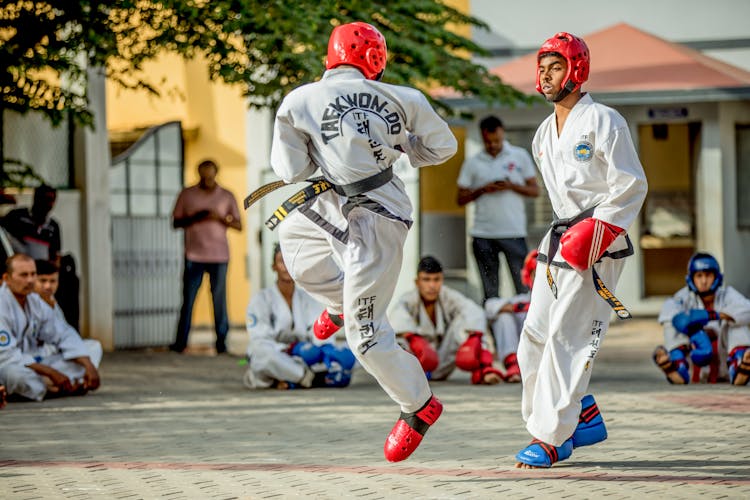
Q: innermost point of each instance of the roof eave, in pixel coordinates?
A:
(717, 94)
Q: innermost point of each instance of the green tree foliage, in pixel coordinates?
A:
(267, 47)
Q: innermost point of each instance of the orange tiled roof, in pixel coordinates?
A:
(626, 59)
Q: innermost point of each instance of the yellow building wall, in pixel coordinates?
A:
(213, 120)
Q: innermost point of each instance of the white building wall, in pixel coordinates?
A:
(736, 242)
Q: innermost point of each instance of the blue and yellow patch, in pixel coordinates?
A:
(251, 320)
(583, 151)
(4, 338)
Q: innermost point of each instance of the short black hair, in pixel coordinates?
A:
(430, 265)
(42, 190)
(45, 267)
(276, 250)
(208, 164)
(550, 54)
(490, 124)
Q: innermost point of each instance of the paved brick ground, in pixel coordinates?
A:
(171, 426)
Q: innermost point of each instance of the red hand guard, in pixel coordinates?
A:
(584, 243)
(424, 352)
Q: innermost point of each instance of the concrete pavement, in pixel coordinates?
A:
(172, 426)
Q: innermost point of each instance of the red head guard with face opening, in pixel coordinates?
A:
(360, 45)
(529, 265)
(575, 52)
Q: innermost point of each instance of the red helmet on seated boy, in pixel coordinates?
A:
(360, 45)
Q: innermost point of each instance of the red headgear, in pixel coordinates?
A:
(575, 52)
(360, 45)
(529, 265)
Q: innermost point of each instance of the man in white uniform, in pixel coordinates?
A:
(497, 181)
(282, 350)
(443, 328)
(47, 283)
(596, 186)
(506, 317)
(25, 322)
(706, 325)
(347, 249)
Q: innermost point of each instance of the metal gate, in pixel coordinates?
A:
(147, 253)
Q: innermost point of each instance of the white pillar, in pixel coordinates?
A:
(92, 164)
(259, 129)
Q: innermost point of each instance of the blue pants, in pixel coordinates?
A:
(487, 253)
(192, 277)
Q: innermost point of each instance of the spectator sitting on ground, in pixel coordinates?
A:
(47, 282)
(34, 232)
(706, 327)
(282, 350)
(26, 322)
(443, 328)
(506, 317)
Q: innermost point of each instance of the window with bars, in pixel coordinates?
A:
(146, 178)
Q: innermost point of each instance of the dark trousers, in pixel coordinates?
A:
(192, 277)
(487, 253)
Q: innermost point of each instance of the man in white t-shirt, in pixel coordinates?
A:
(497, 180)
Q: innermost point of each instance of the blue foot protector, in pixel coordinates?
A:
(543, 455)
(590, 429)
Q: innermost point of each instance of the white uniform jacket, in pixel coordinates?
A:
(453, 310)
(727, 300)
(269, 319)
(593, 163)
(23, 330)
(353, 128)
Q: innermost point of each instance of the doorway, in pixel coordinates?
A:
(668, 152)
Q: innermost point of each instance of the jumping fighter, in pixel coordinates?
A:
(596, 186)
(346, 247)
(706, 325)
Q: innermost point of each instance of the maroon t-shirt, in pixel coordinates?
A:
(206, 241)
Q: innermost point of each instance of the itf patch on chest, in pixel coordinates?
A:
(4, 338)
(583, 151)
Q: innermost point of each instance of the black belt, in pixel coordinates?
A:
(320, 185)
(373, 182)
(557, 228)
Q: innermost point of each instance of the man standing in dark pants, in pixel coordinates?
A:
(205, 211)
(497, 180)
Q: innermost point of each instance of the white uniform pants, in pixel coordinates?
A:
(361, 288)
(268, 364)
(26, 382)
(558, 344)
(506, 330)
(729, 335)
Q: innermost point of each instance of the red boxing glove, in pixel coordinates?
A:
(424, 352)
(521, 307)
(469, 353)
(585, 242)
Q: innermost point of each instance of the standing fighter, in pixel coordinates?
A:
(596, 185)
(346, 247)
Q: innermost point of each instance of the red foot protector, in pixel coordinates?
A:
(409, 430)
(327, 325)
(511, 366)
